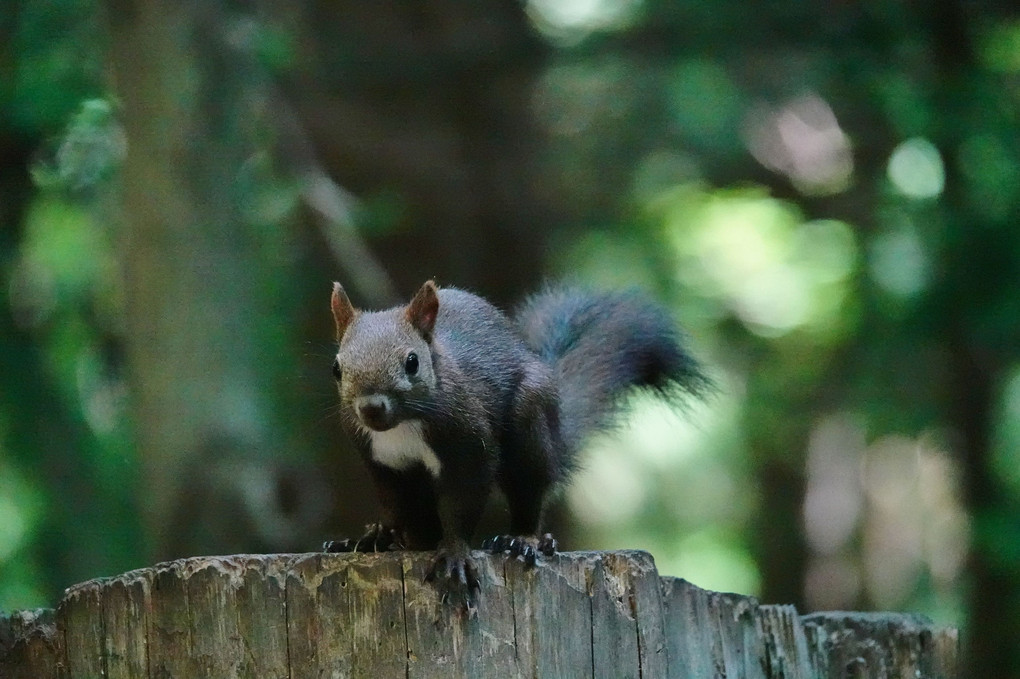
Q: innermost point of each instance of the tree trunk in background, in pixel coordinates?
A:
(196, 304)
(969, 310)
(778, 448)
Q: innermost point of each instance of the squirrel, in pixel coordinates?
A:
(447, 398)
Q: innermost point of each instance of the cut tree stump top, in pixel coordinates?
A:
(579, 614)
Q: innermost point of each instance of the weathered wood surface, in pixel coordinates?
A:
(581, 614)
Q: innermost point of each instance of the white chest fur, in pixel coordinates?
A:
(403, 446)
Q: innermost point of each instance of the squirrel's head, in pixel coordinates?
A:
(384, 367)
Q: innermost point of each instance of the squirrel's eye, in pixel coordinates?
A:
(336, 369)
(411, 363)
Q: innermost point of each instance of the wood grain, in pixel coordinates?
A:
(579, 614)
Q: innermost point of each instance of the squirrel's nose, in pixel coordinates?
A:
(374, 411)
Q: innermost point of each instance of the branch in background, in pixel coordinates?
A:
(334, 206)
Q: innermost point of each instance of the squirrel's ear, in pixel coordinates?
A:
(343, 310)
(422, 311)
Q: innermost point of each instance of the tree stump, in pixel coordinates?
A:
(579, 614)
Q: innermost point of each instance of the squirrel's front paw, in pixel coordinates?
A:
(377, 538)
(525, 547)
(455, 576)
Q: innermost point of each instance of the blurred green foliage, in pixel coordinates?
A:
(826, 196)
(870, 273)
(58, 310)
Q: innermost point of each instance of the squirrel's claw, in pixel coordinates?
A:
(455, 575)
(377, 538)
(525, 548)
(337, 546)
(548, 544)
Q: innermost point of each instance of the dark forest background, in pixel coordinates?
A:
(827, 194)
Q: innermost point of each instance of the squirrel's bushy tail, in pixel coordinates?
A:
(601, 344)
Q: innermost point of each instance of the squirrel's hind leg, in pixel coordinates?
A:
(532, 463)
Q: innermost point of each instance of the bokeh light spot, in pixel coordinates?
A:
(916, 169)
